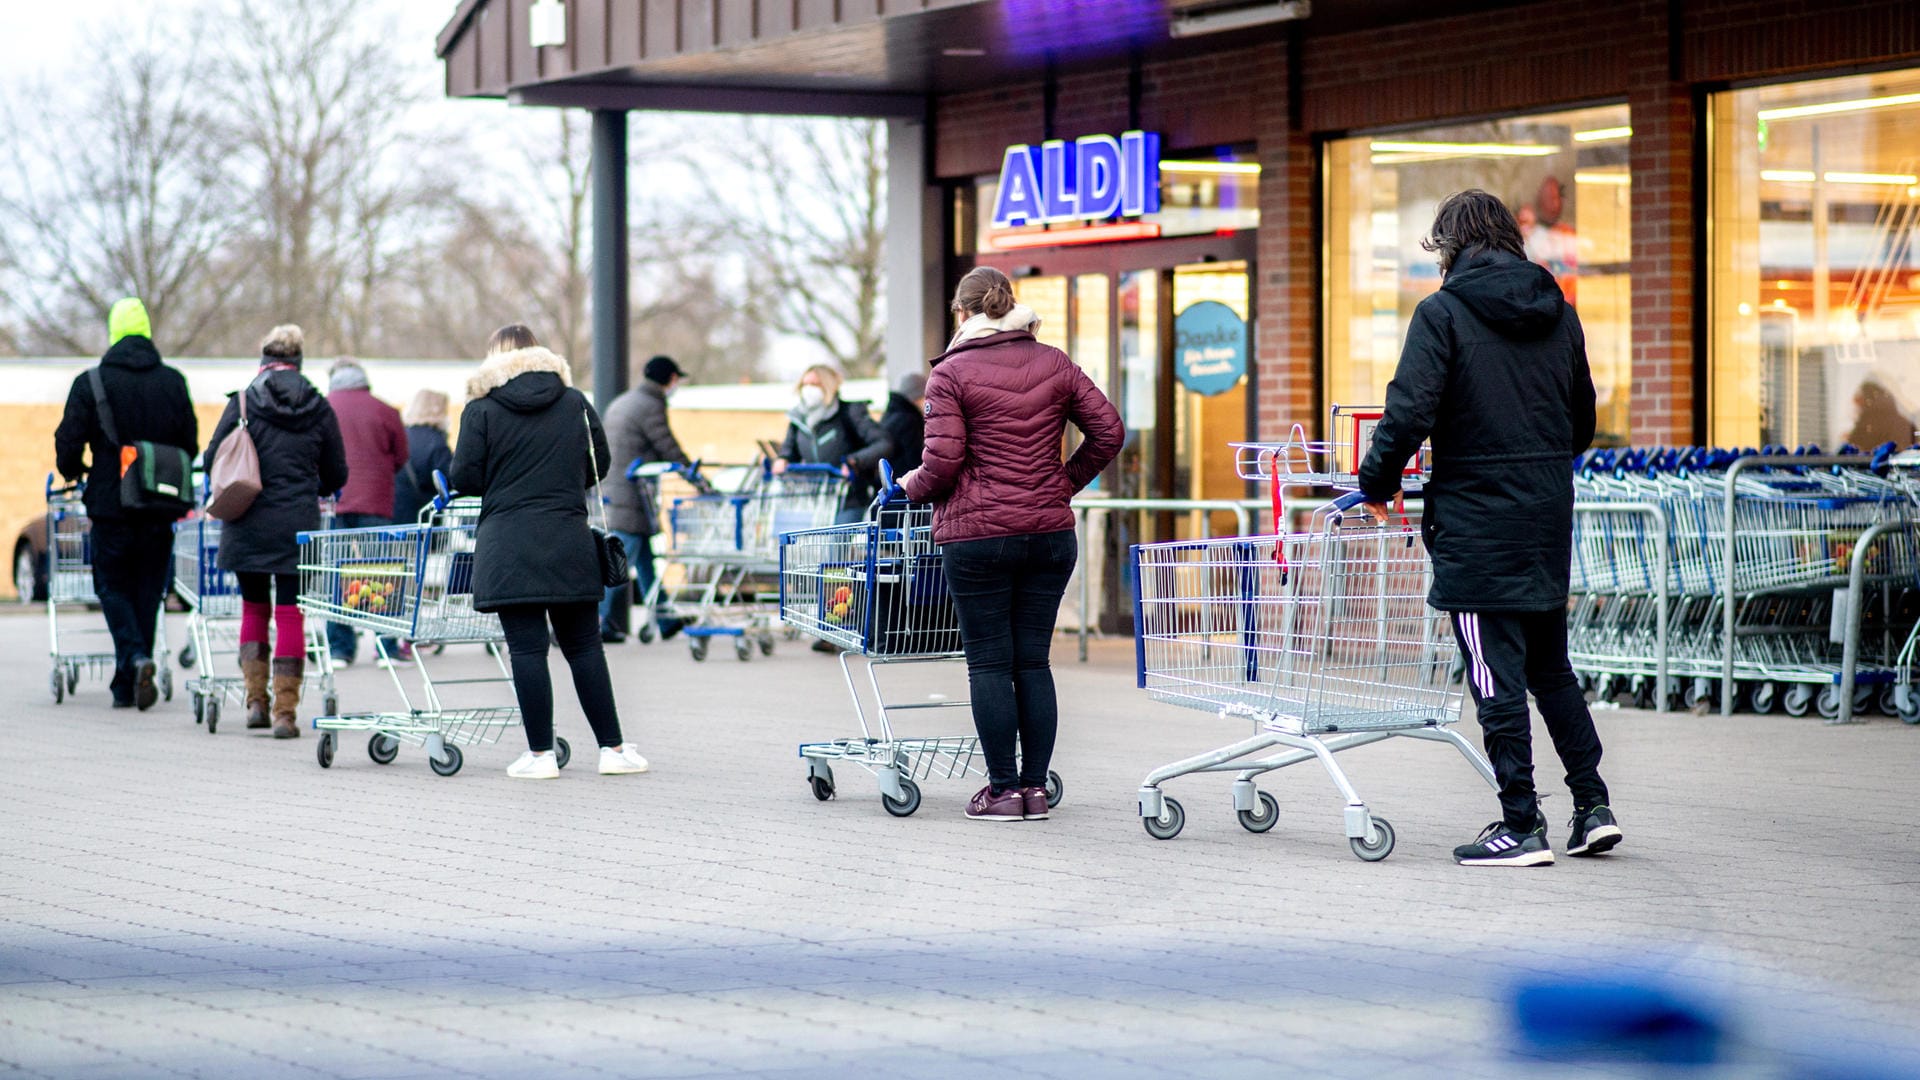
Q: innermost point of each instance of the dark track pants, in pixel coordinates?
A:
(132, 567)
(1510, 653)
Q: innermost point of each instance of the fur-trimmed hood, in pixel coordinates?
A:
(501, 368)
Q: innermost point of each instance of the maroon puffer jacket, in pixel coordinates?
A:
(997, 408)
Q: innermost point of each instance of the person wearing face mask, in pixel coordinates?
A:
(823, 430)
(638, 430)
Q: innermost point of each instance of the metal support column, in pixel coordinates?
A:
(611, 300)
(916, 327)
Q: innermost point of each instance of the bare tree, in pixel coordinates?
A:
(816, 236)
(120, 194)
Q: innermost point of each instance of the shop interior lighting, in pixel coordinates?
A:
(1212, 168)
(1394, 152)
(1603, 134)
(1800, 176)
(1828, 108)
(1618, 179)
(1092, 234)
(1237, 18)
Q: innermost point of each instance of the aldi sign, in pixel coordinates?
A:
(1092, 178)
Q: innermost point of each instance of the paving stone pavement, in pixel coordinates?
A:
(178, 904)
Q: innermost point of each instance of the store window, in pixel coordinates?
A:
(1565, 177)
(1201, 192)
(1814, 301)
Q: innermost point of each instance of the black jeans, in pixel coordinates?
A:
(1006, 591)
(1508, 654)
(132, 568)
(577, 627)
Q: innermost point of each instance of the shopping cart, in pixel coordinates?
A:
(70, 590)
(212, 596)
(1322, 639)
(878, 589)
(412, 583)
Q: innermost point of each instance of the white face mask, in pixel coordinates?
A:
(670, 391)
(811, 396)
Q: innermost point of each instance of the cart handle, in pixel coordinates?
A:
(442, 493)
(889, 491)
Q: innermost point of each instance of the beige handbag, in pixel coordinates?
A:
(233, 480)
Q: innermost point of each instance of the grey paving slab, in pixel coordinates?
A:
(179, 904)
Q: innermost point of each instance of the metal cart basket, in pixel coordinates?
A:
(70, 590)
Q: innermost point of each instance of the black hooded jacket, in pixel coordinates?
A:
(150, 403)
(1495, 372)
(906, 425)
(301, 459)
(524, 450)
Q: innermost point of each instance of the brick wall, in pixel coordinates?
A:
(1661, 159)
(1286, 292)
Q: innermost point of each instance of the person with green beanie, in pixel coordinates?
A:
(145, 401)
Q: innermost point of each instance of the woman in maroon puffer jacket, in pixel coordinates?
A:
(998, 404)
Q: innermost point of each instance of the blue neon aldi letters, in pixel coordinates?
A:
(1090, 179)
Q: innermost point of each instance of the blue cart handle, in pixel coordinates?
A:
(442, 493)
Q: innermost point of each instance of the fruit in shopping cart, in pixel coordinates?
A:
(838, 613)
(843, 594)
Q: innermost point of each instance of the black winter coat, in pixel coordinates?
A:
(847, 436)
(906, 425)
(523, 450)
(1495, 371)
(301, 459)
(413, 488)
(150, 403)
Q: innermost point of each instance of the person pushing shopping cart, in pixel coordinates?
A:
(1495, 372)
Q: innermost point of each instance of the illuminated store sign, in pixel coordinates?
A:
(1089, 179)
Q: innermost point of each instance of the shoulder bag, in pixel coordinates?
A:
(153, 476)
(233, 478)
(613, 553)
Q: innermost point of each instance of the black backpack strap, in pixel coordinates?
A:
(101, 407)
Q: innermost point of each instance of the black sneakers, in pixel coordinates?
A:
(1498, 845)
(1594, 831)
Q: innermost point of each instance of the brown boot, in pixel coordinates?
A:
(253, 672)
(286, 694)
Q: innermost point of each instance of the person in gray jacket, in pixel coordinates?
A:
(638, 430)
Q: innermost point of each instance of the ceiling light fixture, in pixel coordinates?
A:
(1828, 108)
(1617, 179)
(1212, 168)
(1603, 134)
(1802, 176)
(1452, 149)
(1237, 18)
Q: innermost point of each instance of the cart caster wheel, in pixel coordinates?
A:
(822, 787)
(199, 706)
(73, 680)
(1643, 696)
(742, 649)
(1828, 703)
(562, 751)
(906, 806)
(331, 704)
(187, 658)
(1382, 848)
(1699, 693)
(1888, 703)
(1910, 714)
(698, 648)
(1264, 818)
(213, 715)
(1172, 819)
(59, 683)
(383, 748)
(646, 633)
(1798, 699)
(1765, 697)
(166, 685)
(1056, 789)
(323, 750)
(766, 645)
(449, 766)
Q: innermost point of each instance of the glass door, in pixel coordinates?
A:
(1212, 350)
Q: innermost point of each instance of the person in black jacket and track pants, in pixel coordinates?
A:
(529, 443)
(1494, 370)
(132, 549)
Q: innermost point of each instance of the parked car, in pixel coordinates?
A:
(30, 561)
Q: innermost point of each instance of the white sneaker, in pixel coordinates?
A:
(621, 760)
(532, 766)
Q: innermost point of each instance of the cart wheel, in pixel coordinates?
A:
(331, 705)
(1889, 702)
(166, 685)
(383, 748)
(1698, 692)
(1259, 821)
(742, 649)
(1056, 789)
(199, 706)
(213, 714)
(905, 807)
(1828, 703)
(323, 751)
(449, 766)
(766, 644)
(698, 647)
(1643, 695)
(1765, 697)
(1910, 714)
(73, 679)
(1798, 699)
(791, 633)
(822, 787)
(646, 633)
(59, 687)
(562, 751)
(187, 658)
(1171, 820)
(1377, 851)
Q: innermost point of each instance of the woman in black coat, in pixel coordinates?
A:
(824, 430)
(301, 459)
(529, 444)
(427, 453)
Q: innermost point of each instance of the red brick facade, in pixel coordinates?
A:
(1654, 54)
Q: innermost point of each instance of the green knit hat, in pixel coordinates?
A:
(128, 318)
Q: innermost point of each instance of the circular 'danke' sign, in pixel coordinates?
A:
(1209, 348)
